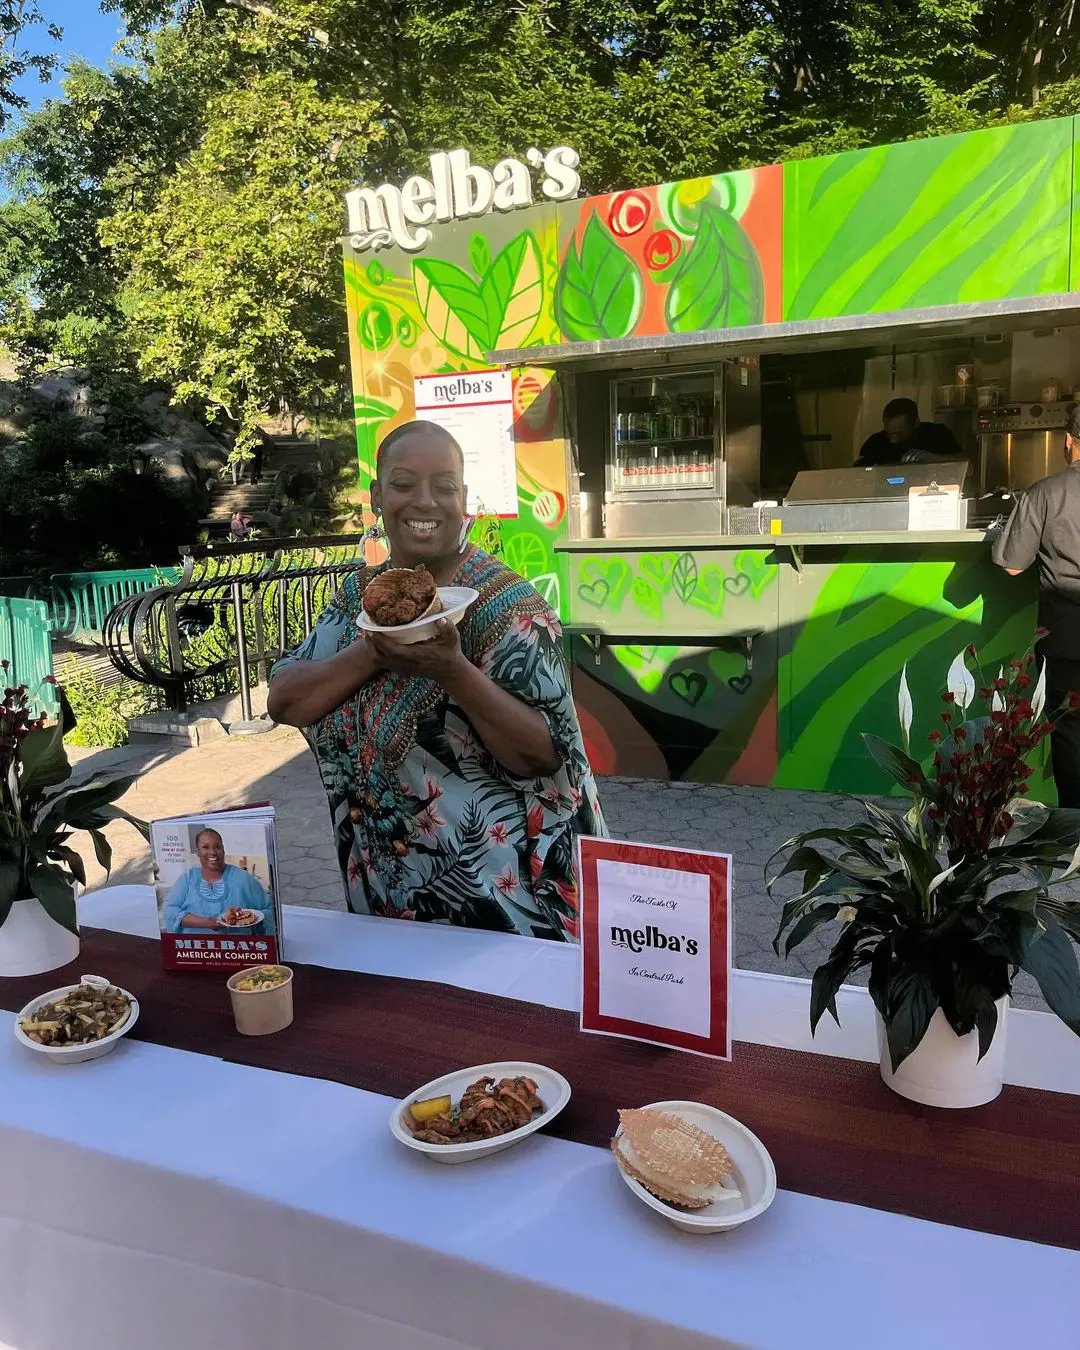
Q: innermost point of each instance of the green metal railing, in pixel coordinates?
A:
(26, 644)
(78, 602)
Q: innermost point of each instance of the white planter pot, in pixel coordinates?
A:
(944, 1069)
(31, 942)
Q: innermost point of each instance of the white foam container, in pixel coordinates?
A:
(553, 1089)
(755, 1175)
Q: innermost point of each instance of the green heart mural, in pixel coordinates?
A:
(603, 582)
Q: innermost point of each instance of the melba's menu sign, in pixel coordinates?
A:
(456, 189)
(656, 944)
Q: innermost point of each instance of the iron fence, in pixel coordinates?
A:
(230, 614)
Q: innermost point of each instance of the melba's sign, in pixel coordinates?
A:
(456, 190)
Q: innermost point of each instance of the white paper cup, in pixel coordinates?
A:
(260, 1012)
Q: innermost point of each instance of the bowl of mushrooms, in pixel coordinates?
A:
(79, 1022)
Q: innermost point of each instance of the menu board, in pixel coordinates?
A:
(477, 409)
(656, 944)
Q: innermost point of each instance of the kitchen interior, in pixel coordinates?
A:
(730, 445)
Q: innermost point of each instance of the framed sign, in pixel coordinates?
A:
(477, 409)
(656, 944)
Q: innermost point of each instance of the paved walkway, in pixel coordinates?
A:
(749, 823)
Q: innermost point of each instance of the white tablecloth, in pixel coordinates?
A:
(159, 1200)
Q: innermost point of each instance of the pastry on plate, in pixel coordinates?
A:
(674, 1160)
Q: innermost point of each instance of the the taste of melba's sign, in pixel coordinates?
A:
(456, 190)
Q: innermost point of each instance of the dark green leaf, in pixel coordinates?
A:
(102, 850)
(599, 293)
(9, 886)
(719, 283)
(1021, 900)
(60, 853)
(912, 1003)
(809, 923)
(986, 1020)
(906, 771)
(1050, 957)
(829, 976)
(76, 806)
(44, 760)
(105, 814)
(880, 972)
(55, 894)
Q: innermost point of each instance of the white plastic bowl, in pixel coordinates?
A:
(554, 1092)
(455, 601)
(755, 1175)
(77, 1054)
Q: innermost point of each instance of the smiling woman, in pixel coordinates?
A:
(455, 769)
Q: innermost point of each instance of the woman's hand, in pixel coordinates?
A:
(438, 658)
(304, 693)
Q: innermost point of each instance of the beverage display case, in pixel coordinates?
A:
(665, 464)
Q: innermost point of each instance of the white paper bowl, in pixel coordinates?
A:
(554, 1092)
(77, 1054)
(455, 601)
(755, 1175)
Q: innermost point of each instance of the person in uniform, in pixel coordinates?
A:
(1045, 529)
(905, 439)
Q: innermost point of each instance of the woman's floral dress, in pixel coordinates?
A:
(428, 825)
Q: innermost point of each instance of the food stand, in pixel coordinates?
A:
(682, 354)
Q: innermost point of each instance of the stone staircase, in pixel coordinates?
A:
(280, 453)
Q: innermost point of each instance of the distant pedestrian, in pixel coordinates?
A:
(255, 463)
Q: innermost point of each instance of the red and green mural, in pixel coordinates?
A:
(982, 216)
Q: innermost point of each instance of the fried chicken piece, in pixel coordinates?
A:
(398, 596)
(486, 1109)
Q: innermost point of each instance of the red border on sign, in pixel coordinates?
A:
(717, 867)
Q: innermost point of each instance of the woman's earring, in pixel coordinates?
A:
(466, 528)
(374, 533)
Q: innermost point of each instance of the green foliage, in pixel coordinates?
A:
(17, 19)
(40, 811)
(102, 710)
(176, 216)
(946, 903)
(71, 500)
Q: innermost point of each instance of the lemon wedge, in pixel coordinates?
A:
(434, 1106)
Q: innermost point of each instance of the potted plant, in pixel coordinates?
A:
(944, 904)
(39, 930)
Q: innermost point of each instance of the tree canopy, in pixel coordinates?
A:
(176, 215)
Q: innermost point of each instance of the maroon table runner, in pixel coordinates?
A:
(832, 1127)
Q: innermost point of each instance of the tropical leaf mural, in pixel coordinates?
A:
(934, 222)
(453, 307)
(513, 292)
(599, 291)
(719, 282)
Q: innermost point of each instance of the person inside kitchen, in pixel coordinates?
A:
(905, 439)
(1045, 529)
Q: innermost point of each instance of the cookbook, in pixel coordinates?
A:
(216, 879)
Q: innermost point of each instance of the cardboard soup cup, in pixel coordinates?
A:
(259, 1012)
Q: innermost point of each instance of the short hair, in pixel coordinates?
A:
(208, 829)
(415, 429)
(901, 407)
(1072, 421)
